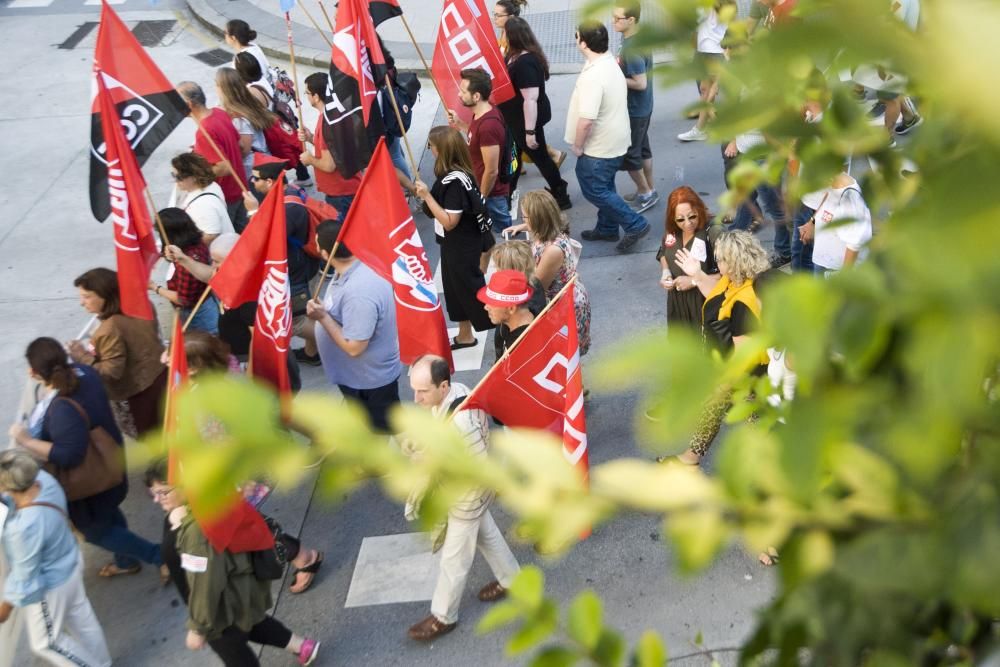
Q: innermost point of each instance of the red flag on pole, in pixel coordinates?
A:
(539, 385)
(379, 230)
(357, 66)
(144, 101)
(135, 249)
(383, 10)
(466, 40)
(256, 269)
(177, 377)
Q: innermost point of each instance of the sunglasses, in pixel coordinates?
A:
(176, 176)
(691, 218)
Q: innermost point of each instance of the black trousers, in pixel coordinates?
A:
(548, 168)
(376, 402)
(233, 649)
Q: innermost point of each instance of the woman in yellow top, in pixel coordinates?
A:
(730, 314)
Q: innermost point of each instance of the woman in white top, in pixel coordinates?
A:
(843, 226)
(240, 37)
(250, 117)
(197, 193)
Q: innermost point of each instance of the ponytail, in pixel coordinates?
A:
(48, 360)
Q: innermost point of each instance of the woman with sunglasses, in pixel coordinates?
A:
(197, 194)
(686, 227)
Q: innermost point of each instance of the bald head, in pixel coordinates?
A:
(192, 94)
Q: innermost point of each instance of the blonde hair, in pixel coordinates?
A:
(18, 471)
(238, 101)
(515, 255)
(743, 254)
(547, 221)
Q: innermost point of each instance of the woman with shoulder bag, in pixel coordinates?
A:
(462, 228)
(125, 352)
(61, 432)
(46, 577)
(196, 192)
(227, 602)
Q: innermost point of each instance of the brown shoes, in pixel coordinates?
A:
(430, 628)
(492, 592)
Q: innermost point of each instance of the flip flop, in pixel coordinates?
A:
(112, 570)
(309, 570)
(455, 345)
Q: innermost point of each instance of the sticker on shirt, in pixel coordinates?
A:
(699, 250)
(827, 216)
(670, 241)
(194, 563)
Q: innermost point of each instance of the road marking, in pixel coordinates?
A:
(110, 2)
(25, 4)
(393, 569)
(470, 358)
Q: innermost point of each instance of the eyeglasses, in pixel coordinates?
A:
(691, 218)
(160, 494)
(616, 19)
(500, 16)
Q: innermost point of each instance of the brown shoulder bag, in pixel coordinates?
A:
(102, 468)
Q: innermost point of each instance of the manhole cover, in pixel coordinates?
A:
(214, 58)
(151, 33)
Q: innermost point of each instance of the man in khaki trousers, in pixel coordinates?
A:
(470, 524)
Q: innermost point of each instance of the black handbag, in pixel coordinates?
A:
(269, 564)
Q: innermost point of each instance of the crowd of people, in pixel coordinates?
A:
(112, 385)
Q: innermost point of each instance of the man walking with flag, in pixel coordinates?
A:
(470, 524)
(356, 330)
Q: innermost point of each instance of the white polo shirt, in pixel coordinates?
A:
(601, 95)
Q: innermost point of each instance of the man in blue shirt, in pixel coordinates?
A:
(637, 67)
(356, 330)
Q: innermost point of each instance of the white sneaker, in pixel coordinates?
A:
(694, 134)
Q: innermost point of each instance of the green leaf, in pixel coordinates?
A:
(610, 650)
(500, 615)
(650, 651)
(585, 619)
(698, 536)
(535, 629)
(528, 588)
(555, 656)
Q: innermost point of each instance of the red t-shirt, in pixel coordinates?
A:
(331, 183)
(488, 130)
(220, 127)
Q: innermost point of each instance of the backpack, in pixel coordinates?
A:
(285, 99)
(406, 88)
(510, 163)
(318, 211)
(283, 142)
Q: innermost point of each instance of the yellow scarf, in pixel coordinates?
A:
(734, 294)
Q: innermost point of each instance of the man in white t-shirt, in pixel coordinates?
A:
(597, 127)
(843, 226)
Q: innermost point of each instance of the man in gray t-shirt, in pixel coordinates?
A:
(356, 330)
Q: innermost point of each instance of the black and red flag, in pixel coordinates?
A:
(356, 65)
(383, 10)
(147, 104)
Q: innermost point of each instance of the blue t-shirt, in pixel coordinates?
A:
(362, 303)
(632, 62)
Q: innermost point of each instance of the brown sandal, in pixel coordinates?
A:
(492, 592)
(309, 571)
(112, 570)
(430, 628)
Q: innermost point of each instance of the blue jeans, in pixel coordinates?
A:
(597, 183)
(342, 203)
(206, 318)
(499, 212)
(395, 147)
(802, 253)
(127, 547)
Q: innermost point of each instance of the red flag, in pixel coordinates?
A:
(539, 385)
(177, 377)
(135, 248)
(379, 230)
(466, 40)
(383, 10)
(256, 269)
(357, 66)
(144, 100)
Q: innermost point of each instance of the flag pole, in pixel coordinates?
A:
(326, 269)
(218, 151)
(326, 15)
(156, 215)
(194, 311)
(295, 78)
(315, 25)
(399, 119)
(168, 405)
(421, 54)
(538, 318)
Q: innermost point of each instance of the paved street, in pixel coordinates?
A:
(48, 236)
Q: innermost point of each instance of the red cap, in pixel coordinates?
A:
(506, 288)
(260, 159)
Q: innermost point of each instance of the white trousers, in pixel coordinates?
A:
(63, 629)
(457, 554)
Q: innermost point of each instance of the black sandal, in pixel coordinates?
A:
(310, 570)
(456, 345)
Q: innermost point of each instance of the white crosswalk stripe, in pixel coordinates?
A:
(27, 4)
(470, 358)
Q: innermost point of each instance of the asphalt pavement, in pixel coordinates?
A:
(47, 237)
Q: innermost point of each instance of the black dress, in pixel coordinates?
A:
(684, 307)
(461, 250)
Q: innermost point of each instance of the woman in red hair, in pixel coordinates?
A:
(686, 227)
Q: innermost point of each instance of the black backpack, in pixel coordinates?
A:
(510, 163)
(406, 88)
